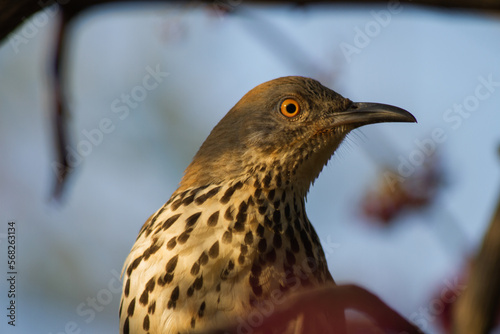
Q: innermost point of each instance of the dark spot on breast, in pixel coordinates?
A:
(188, 200)
(277, 240)
(276, 216)
(262, 245)
(146, 229)
(267, 222)
(166, 279)
(152, 307)
(203, 259)
(239, 226)
(193, 322)
(191, 221)
(256, 270)
(190, 291)
(134, 265)
(131, 308)
(145, 323)
(198, 282)
(270, 194)
(243, 249)
(288, 214)
(307, 244)
(184, 236)
(229, 213)
(126, 291)
(171, 264)
(260, 230)
(170, 221)
(243, 207)
(149, 288)
(295, 207)
(217, 288)
(254, 283)
(121, 307)
(195, 191)
(213, 219)
(126, 327)
(195, 269)
(241, 217)
(241, 259)
(267, 180)
(230, 191)
(175, 205)
(248, 238)
(213, 252)
(276, 205)
(278, 180)
(262, 209)
(294, 244)
(151, 249)
(271, 256)
(202, 198)
(313, 265)
(173, 298)
(227, 237)
(283, 197)
(201, 310)
(290, 258)
(257, 193)
(226, 271)
(297, 224)
(171, 243)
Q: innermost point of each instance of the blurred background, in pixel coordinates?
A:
(400, 208)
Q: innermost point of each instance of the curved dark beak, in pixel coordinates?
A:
(363, 113)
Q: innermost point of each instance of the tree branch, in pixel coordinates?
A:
(476, 310)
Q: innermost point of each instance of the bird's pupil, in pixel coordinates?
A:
(290, 108)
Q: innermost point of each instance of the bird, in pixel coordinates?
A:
(235, 233)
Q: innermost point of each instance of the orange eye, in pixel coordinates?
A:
(290, 108)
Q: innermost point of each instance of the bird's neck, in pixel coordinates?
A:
(292, 171)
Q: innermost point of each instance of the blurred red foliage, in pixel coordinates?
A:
(395, 193)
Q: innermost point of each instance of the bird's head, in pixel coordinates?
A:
(290, 127)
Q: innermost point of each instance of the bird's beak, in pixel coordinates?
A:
(363, 113)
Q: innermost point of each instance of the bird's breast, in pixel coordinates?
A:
(212, 254)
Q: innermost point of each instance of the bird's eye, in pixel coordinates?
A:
(290, 108)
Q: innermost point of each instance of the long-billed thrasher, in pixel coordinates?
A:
(235, 234)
